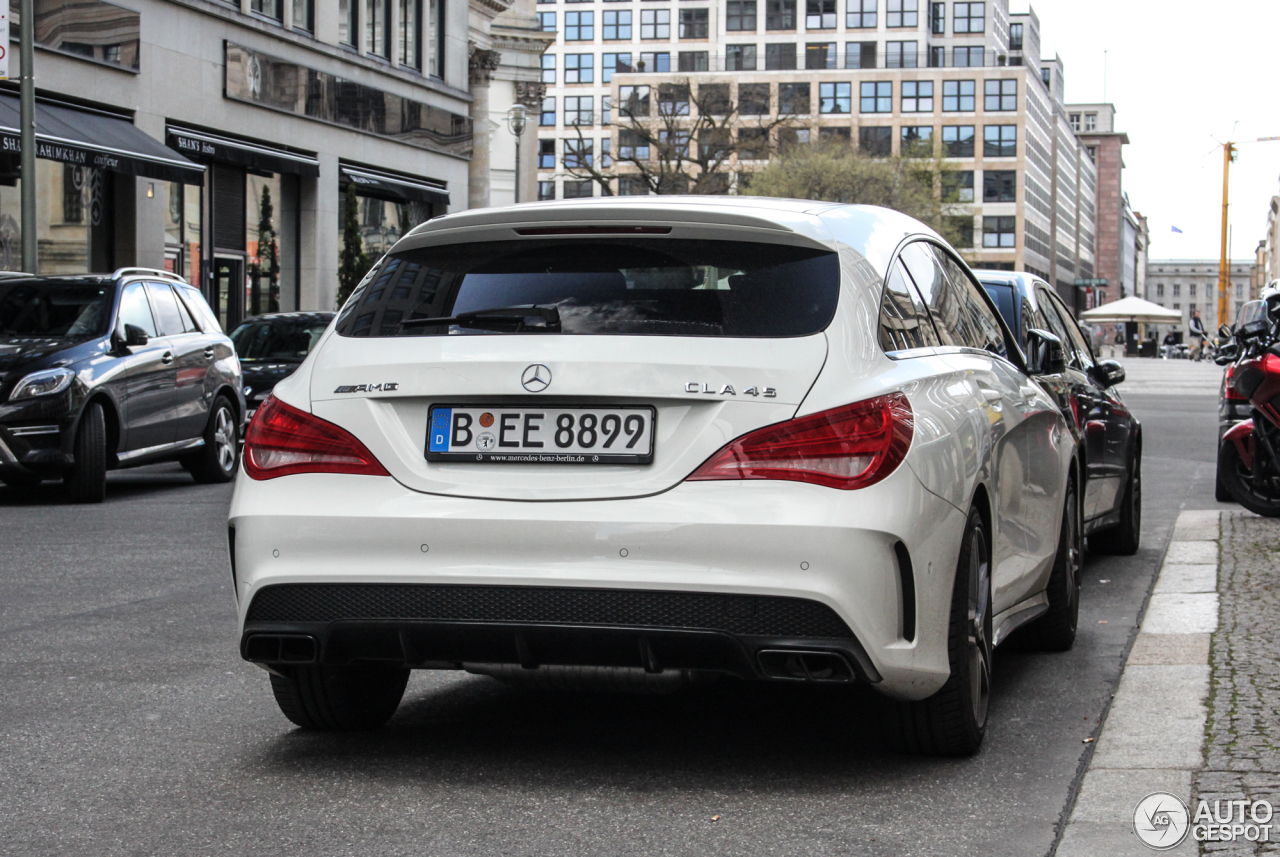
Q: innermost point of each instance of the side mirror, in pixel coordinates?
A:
(1045, 355)
(134, 335)
(1109, 373)
(1224, 331)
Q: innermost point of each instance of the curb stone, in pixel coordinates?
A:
(1153, 737)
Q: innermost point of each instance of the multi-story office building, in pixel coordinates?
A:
(1192, 284)
(1116, 233)
(217, 138)
(965, 77)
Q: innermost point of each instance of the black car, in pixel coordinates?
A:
(272, 346)
(114, 370)
(1109, 436)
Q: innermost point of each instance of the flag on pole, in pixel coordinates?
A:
(1176, 229)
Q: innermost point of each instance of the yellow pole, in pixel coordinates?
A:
(1224, 268)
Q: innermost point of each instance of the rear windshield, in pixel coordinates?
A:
(282, 340)
(641, 286)
(54, 309)
(1002, 296)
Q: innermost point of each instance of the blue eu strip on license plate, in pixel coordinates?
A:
(441, 423)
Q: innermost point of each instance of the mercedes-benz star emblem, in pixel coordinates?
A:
(536, 378)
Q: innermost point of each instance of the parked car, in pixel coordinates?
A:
(1108, 435)
(656, 437)
(272, 346)
(114, 370)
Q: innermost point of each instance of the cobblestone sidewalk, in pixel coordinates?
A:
(1242, 747)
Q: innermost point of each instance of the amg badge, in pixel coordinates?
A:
(388, 387)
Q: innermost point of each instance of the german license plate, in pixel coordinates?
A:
(547, 435)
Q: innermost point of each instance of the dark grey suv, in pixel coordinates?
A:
(113, 370)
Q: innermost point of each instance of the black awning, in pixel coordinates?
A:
(95, 140)
(203, 146)
(389, 186)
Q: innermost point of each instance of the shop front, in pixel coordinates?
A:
(389, 204)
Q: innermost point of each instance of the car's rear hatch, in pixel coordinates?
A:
(719, 335)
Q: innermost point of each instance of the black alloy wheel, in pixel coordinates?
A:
(953, 721)
(86, 481)
(1055, 630)
(1123, 538)
(1257, 488)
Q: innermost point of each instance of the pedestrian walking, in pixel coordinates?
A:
(1198, 336)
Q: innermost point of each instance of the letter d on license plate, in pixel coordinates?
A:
(541, 435)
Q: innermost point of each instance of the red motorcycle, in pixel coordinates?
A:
(1249, 460)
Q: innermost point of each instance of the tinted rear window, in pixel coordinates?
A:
(287, 340)
(633, 286)
(1002, 296)
(54, 309)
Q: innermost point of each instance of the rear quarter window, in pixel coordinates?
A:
(620, 286)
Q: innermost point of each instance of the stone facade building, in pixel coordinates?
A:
(1192, 284)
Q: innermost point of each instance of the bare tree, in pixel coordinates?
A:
(678, 137)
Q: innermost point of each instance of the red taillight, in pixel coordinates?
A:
(282, 440)
(847, 447)
(1230, 393)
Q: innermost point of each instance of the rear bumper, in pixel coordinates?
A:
(704, 576)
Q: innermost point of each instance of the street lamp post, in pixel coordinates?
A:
(27, 121)
(515, 124)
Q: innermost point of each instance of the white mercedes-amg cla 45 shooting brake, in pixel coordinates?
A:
(653, 439)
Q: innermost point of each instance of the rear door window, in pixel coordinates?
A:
(168, 316)
(135, 309)
(982, 327)
(904, 319)
(928, 277)
(1076, 341)
(636, 286)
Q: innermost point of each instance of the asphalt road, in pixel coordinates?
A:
(129, 724)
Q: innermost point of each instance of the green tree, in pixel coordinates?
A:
(353, 262)
(917, 183)
(268, 265)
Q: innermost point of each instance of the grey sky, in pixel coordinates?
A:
(1180, 74)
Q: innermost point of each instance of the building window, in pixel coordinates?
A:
(820, 14)
(606, 109)
(968, 18)
(1001, 95)
(609, 63)
(1177, 290)
(793, 99)
(1191, 292)
(1015, 37)
(304, 15)
(606, 152)
(1046, 77)
(957, 141)
(656, 62)
(1074, 119)
(547, 20)
(577, 154)
(655, 24)
(753, 99)
(635, 100)
(999, 186)
(957, 96)
(902, 13)
(693, 23)
(917, 140)
(547, 116)
(548, 68)
(969, 57)
(410, 26)
(579, 68)
(753, 144)
(938, 19)
(347, 22)
(546, 190)
(835, 97)
(1091, 122)
(917, 96)
(273, 9)
(860, 55)
(861, 15)
(740, 15)
(740, 58)
(961, 230)
(876, 97)
(577, 189)
(694, 61)
(833, 135)
(617, 27)
(877, 142)
(632, 186)
(819, 55)
(1159, 290)
(1177, 306)
(579, 26)
(1000, 141)
(999, 232)
(780, 14)
(957, 186)
(579, 110)
(377, 35)
(780, 55)
(901, 55)
(546, 154)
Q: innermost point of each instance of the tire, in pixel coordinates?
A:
(1123, 538)
(340, 699)
(20, 481)
(217, 460)
(86, 481)
(1238, 480)
(1220, 492)
(953, 721)
(1055, 631)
